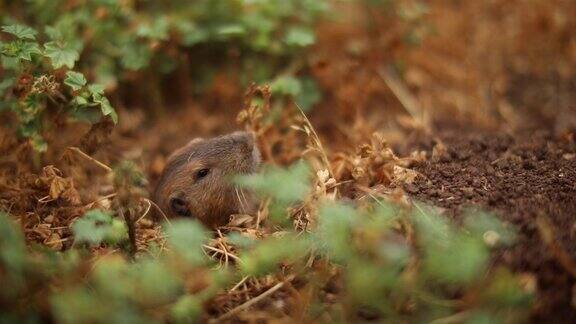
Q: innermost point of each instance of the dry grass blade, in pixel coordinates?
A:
(91, 159)
(249, 303)
(407, 99)
(317, 141)
(158, 209)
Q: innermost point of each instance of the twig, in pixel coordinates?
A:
(131, 231)
(249, 303)
(89, 158)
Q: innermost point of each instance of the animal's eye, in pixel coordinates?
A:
(202, 173)
(179, 207)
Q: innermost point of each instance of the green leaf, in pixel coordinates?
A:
(286, 85)
(96, 89)
(286, 185)
(187, 309)
(186, 237)
(309, 95)
(191, 34)
(231, 30)
(105, 106)
(20, 31)
(6, 84)
(369, 283)
(460, 259)
(97, 226)
(489, 228)
(300, 37)
(135, 56)
(12, 246)
(80, 101)
(335, 226)
(267, 254)
(38, 143)
(61, 54)
(156, 30)
(75, 80)
(155, 282)
(20, 50)
(505, 289)
(450, 255)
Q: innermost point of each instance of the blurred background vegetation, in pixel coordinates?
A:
(123, 80)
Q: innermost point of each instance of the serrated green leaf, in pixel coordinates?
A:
(61, 54)
(29, 48)
(80, 101)
(105, 106)
(20, 31)
(99, 98)
(96, 88)
(20, 49)
(75, 80)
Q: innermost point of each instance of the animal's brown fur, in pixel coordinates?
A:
(214, 198)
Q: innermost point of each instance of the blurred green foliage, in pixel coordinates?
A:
(401, 265)
(97, 226)
(384, 271)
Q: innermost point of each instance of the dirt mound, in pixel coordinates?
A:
(529, 181)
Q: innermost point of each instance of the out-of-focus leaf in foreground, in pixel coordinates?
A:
(286, 185)
(97, 226)
(187, 237)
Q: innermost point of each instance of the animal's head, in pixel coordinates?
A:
(197, 180)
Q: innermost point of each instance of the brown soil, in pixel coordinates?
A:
(521, 179)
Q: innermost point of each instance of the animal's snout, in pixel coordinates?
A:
(180, 207)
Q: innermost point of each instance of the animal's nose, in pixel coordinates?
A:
(180, 207)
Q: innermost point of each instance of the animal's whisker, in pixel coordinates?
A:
(242, 207)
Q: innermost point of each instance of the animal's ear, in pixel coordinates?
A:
(185, 148)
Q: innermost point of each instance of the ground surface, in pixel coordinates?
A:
(522, 179)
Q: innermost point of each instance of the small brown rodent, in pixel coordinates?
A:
(197, 179)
